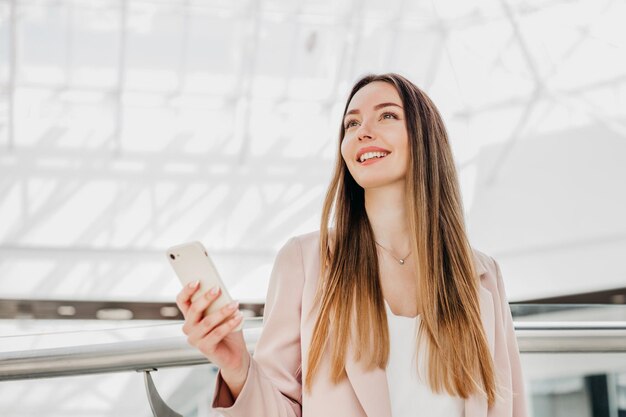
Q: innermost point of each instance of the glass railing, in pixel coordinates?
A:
(574, 359)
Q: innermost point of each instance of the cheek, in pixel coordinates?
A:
(344, 150)
(404, 143)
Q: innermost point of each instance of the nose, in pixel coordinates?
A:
(364, 132)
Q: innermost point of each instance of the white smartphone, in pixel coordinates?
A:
(191, 262)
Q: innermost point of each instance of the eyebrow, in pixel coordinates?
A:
(376, 107)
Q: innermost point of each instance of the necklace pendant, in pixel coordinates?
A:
(400, 261)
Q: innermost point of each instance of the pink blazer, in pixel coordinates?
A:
(274, 385)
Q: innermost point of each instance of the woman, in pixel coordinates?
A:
(344, 303)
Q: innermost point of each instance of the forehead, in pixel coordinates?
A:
(374, 93)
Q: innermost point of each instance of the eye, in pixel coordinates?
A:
(388, 115)
(350, 123)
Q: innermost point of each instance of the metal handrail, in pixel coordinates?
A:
(99, 358)
(532, 337)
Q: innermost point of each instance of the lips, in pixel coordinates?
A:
(371, 161)
(369, 149)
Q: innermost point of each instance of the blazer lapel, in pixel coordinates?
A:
(370, 388)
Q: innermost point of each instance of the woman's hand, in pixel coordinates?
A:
(213, 334)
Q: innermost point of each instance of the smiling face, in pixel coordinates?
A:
(375, 146)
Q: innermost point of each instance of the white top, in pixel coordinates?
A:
(410, 395)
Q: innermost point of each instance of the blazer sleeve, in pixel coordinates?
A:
(519, 406)
(273, 387)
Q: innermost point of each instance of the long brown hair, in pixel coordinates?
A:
(458, 356)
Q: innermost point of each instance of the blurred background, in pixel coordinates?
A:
(128, 126)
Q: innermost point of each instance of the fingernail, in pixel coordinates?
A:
(214, 290)
(232, 305)
(194, 284)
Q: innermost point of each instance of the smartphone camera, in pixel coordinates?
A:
(172, 256)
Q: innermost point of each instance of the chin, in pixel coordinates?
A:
(375, 182)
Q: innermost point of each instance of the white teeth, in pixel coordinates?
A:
(370, 155)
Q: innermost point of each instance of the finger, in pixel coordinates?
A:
(183, 299)
(198, 307)
(208, 343)
(211, 321)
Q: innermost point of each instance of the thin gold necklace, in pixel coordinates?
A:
(400, 261)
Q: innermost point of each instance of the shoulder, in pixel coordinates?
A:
(299, 248)
(490, 274)
(306, 244)
(488, 270)
(483, 262)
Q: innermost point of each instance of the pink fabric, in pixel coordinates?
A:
(274, 385)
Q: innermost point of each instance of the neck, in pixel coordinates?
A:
(386, 211)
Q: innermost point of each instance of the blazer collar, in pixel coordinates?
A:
(371, 386)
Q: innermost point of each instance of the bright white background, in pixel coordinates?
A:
(129, 126)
